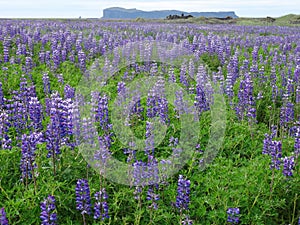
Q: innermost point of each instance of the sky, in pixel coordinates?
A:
(94, 8)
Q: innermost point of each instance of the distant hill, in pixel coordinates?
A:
(121, 13)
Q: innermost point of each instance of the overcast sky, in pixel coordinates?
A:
(93, 8)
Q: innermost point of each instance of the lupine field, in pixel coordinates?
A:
(45, 178)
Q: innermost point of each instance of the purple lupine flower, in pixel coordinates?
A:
(150, 141)
(191, 68)
(200, 99)
(60, 126)
(5, 141)
(103, 112)
(298, 94)
(153, 69)
(183, 194)
(186, 220)
(286, 114)
(268, 140)
(18, 108)
(101, 206)
(139, 175)
(233, 215)
(42, 57)
(63, 55)
(27, 164)
(35, 112)
(181, 106)
(83, 198)
(266, 146)
(183, 76)
(130, 152)
(152, 197)
(53, 135)
(46, 83)
(48, 58)
(28, 63)
(81, 60)
(297, 146)
(288, 166)
(5, 54)
(100, 110)
(69, 91)
(56, 58)
(276, 154)
(2, 99)
(151, 103)
(48, 216)
(3, 219)
(172, 78)
(246, 102)
(6, 47)
(157, 104)
(152, 173)
(60, 78)
(102, 153)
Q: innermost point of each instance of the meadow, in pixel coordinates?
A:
(75, 93)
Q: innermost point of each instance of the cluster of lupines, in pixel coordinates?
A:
(233, 215)
(48, 215)
(69, 45)
(3, 219)
(83, 201)
(274, 149)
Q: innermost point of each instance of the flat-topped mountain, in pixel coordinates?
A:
(121, 13)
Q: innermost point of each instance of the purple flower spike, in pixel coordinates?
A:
(83, 199)
(288, 166)
(101, 206)
(183, 193)
(48, 216)
(3, 219)
(232, 215)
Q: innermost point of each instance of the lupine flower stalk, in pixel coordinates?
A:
(101, 206)
(48, 215)
(288, 166)
(83, 198)
(3, 219)
(5, 141)
(27, 164)
(233, 215)
(183, 194)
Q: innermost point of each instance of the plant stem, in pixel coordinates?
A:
(84, 222)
